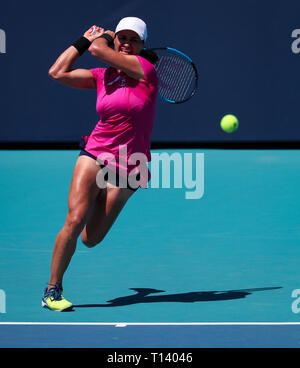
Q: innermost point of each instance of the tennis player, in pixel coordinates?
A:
(126, 101)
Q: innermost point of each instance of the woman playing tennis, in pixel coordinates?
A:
(126, 100)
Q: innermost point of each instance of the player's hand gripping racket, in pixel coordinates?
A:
(178, 75)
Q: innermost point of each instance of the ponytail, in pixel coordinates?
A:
(149, 55)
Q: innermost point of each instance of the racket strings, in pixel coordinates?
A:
(168, 73)
(189, 87)
(177, 77)
(187, 78)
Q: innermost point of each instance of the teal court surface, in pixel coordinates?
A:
(218, 271)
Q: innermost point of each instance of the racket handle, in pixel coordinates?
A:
(93, 30)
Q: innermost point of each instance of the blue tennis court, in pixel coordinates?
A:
(218, 271)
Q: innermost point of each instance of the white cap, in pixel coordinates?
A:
(134, 24)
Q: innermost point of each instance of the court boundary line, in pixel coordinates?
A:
(124, 324)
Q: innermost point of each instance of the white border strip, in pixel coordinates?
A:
(123, 324)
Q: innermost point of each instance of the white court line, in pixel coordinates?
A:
(148, 323)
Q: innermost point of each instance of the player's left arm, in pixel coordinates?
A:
(128, 63)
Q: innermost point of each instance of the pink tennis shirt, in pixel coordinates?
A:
(126, 108)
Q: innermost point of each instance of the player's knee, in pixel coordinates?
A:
(74, 223)
(90, 243)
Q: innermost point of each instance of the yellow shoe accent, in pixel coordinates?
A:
(53, 299)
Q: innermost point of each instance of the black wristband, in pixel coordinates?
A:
(82, 44)
(109, 39)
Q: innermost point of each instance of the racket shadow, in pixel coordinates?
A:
(143, 295)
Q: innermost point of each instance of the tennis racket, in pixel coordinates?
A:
(177, 73)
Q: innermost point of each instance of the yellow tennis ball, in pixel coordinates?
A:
(229, 123)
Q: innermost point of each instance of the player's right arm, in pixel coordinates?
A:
(62, 71)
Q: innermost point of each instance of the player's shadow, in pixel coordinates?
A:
(143, 295)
